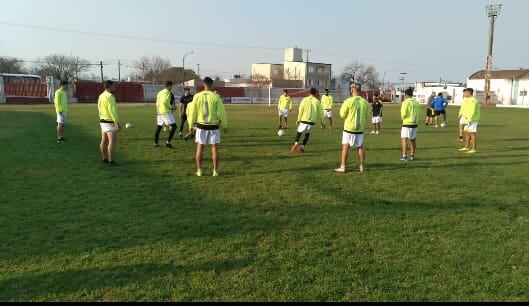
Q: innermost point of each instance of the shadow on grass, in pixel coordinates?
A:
(46, 286)
(78, 205)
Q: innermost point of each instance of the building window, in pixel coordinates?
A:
(311, 69)
(523, 93)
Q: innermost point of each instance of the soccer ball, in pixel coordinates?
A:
(128, 125)
(281, 133)
(443, 125)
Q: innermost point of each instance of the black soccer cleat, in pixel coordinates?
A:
(112, 163)
(105, 161)
(168, 145)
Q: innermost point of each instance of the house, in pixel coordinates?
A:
(294, 72)
(509, 87)
(453, 92)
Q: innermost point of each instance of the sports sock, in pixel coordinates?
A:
(306, 140)
(174, 127)
(157, 134)
(298, 137)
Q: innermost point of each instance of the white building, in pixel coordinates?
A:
(310, 74)
(509, 87)
(453, 92)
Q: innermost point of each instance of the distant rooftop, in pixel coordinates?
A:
(502, 74)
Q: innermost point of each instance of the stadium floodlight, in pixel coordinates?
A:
(493, 11)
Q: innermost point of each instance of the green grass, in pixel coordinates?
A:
(274, 227)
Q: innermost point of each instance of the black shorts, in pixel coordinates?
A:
(183, 117)
(438, 113)
(430, 112)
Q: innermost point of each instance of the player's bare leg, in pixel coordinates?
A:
(215, 157)
(112, 139)
(413, 148)
(60, 130)
(199, 156)
(103, 147)
(345, 153)
(404, 147)
(362, 158)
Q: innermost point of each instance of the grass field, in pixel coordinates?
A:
(274, 227)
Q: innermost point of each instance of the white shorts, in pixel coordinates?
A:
(377, 120)
(472, 127)
(108, 127)
(62, 118)
(327, 113)
(410, 133)
(166, 119)
(283, 113)
(305, 128)
(353, 140)
(207, 137)
(463, 121)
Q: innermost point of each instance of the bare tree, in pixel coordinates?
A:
(62, 67)
(150, 68)
(260, 81)
(11, 65)
(362, 74)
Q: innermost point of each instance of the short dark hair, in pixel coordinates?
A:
(64, 83)
(208, 81)
(326, 90)
(285, 91)
(313, 91)
(187, 89)
(469, 90)
(440, 95)
(169, 83)
(108, 84)
(409, 92)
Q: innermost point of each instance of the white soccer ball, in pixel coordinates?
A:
(128, 125)
(281, 133)
(443, 125)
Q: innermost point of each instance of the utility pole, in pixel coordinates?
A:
(308, 52)
(102, 77)
(493, 11)
(183, 67)
(402, 78)
(119, 70)
(198, 70)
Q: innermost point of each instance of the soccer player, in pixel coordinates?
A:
(355, 112)
(470, 115)
(284, 107)
(61, 108)
(109, 121)
(410, 112)
(439, 105)
(310, 112)
(208, 113)
(377, 111)
(327, 103)
(184, 102)
(165, 115)
(430, 112)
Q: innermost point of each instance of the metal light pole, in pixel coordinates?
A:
(493, 11)
(184, 67)
(402, 78)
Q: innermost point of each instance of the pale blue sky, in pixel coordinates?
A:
(429, 39)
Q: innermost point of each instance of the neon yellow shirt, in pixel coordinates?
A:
(207, 108)
(410, 112)
(310, 110)
(107, 106)
(327, 102)
(163, 102)
(285, 102)
(61, 101)
(355, 112)
(470, 109)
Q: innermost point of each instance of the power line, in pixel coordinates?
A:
(130, 37)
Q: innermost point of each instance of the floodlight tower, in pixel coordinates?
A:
(493, 11)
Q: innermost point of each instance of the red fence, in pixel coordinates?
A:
(125, 92)
(227, 92)
(25, 89)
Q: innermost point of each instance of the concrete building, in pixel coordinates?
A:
(508, 87)
(453, 92)
(294, 69)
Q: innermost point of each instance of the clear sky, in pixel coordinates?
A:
(428, 39)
